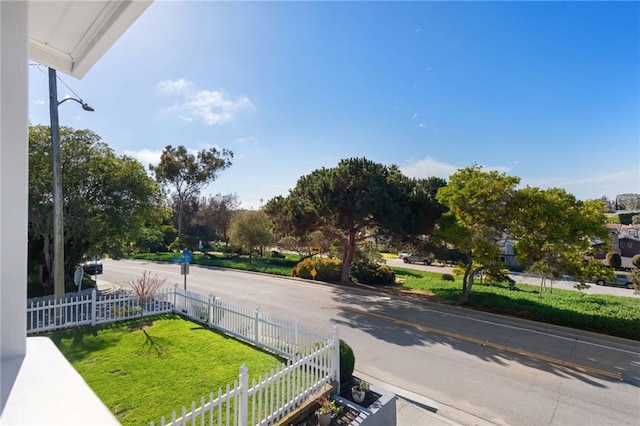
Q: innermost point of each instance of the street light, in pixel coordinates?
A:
(58, 224)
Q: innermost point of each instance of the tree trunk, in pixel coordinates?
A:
(347, 257)
(180, 215)
(47, 258)
(467, 283)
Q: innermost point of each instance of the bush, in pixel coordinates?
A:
(614, 260)
(347, 362)
(497, 275)
(373, 274)
(326, 269)
(448, 277)
(277, 255)
(635, 260)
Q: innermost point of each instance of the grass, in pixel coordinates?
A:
(613, 315)
(142, 376)
(268, 265)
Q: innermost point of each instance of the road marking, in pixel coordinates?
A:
(555, 336)
(487, 343)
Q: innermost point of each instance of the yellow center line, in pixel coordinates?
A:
(487, 343)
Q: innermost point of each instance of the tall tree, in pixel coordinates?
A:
(216, 213)
(249, 230)
(478, 204)
(552, 228)
(347, 202)
(107, 198)
(186, 174)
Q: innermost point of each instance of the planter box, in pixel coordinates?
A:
(381, 413)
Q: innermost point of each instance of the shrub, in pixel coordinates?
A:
(635, 260)
(373, 274)
(326, 269)
(614, 260)
(448, 277)
(497, 275)
(347, 362)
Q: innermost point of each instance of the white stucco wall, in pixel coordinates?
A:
(13, 177)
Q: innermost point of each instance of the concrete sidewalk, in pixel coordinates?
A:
(413, 409)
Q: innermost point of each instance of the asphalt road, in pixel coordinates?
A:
(478, 367)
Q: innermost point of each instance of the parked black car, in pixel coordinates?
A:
(92, 266)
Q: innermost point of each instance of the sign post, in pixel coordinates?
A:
(184, 270)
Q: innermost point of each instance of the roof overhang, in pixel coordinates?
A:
(71, 36)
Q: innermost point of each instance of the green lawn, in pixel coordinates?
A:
(613, 315)
(142, 377)
(268, 265)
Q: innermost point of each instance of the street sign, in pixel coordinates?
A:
(315, 249)
(187, 256)
(77, 275)
(314, 273)
(184, 268)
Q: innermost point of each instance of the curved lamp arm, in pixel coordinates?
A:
(84, 105)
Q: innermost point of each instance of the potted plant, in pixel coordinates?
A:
(327, 409)
(358, 390)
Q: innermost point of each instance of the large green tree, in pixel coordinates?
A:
(553, 229)
(107, 198)
(349, 203)
(250, 229)
(187, 174)
(478, 203)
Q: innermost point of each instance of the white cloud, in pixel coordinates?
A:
(146, 156)
(428, 167)
(212, 107)
(173, 87)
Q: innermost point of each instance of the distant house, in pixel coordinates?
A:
(507, 254)
(629, 246)
(625, 240)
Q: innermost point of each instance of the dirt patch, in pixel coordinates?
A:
(139, 326)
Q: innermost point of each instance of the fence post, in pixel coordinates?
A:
(244, 395)
(175, 297)
(94, 307)
(257, 327)
(210, 310)
(336, 353)
(295, 335)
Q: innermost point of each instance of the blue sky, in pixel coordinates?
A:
(546, 91)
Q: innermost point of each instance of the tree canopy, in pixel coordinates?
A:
(351, 202)
(107, 198)
(186, 174)
(250, 229)
(551, 228)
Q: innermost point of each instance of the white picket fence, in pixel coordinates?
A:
(91, 309)
(269, 398)
(313, 356)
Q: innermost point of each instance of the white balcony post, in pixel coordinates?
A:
(14, 178)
